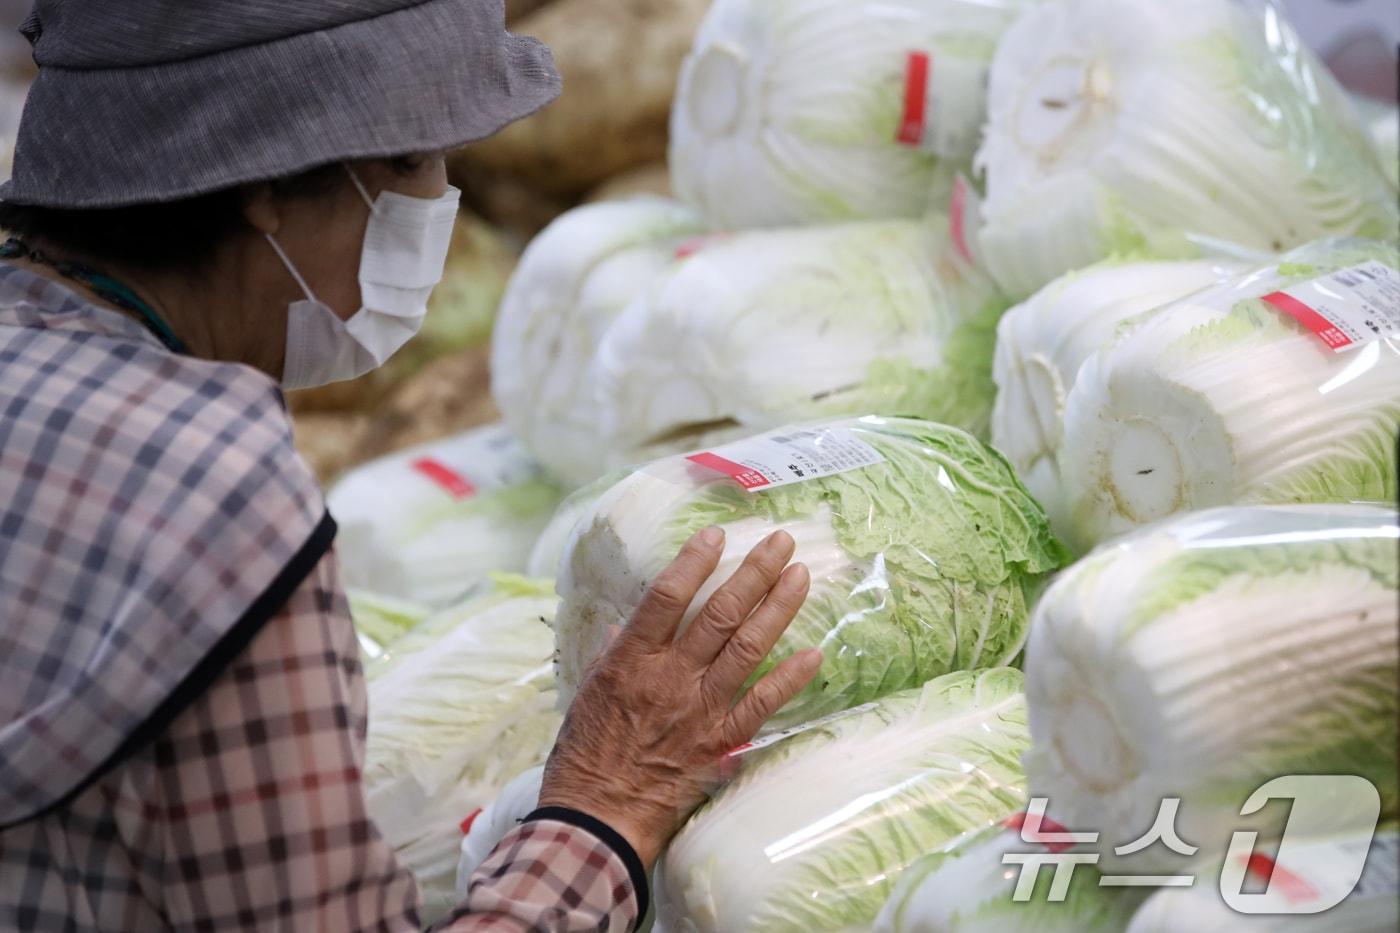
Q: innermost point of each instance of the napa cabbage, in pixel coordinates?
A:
(1135, 127)
(922, 564)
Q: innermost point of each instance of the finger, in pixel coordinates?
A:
(732, 603)
(752, 641)
(771, 694)
(671, 593)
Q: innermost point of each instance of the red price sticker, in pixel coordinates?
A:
(915, 117)
(744, 476)
(449, 480)
(1329, 333)
(1346, 308)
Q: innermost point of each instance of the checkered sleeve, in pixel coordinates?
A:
(249, 810)
(552, 873)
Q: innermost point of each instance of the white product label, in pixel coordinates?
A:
(491, 458)
(1347, 308)
(789, 455)
(945, 98)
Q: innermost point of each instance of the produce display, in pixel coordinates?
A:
(1134, 125)
(458, 707)
(812, 832)
(1228, 397)
(1204, 656)
(382, 620)
(1063, 336)
(572, 283)
(1042, 342)
(801, 111)
(776, 326)
(791, 325)
(431, 522)
(969, 889)
(923, 561)
(1314, 873)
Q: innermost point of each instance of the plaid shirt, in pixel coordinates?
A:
(182, 708)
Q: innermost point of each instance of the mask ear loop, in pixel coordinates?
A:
(286, 261)
(360, 187)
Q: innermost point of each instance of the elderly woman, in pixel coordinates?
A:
(212, 202)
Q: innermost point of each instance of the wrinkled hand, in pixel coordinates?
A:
(656, 714)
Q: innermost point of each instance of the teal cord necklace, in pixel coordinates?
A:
(104, 286)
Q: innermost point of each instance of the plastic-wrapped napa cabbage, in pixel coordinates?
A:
(1246, 392)
(1205, 657)
(924, 551)
(457, 708)
(1315, 887)
(760, 329)
(382, 620)
(972, 888)
(430, 523)
(573, 280)
(803, 111)
(1133, 126)
(1042, 342)
(813, 832)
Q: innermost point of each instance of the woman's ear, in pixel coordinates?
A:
(260, 209)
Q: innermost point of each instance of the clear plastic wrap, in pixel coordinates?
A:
(755, 330)
(971, 888)
(554, 540)
(573, 280)
(805, 111)
(924, 551)
(812, 833)
(1042, 342)
(430, 523)
(1142, 127)
(457, 708)
(1281, 385)
(1294, 889)
(1203, 657)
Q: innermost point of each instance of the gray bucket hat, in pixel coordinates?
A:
(144, 101)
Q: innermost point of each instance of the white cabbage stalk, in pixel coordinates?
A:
(430, 523)
(790, 111)
(765, 328)
(574, 278)
(457, 708)
(553, 542)
(813, 833)
(969, 889)
(1223, 399)
(1042, 342)
(1307, 879)
(1203, 657)
(920, 565)
(1130, 126)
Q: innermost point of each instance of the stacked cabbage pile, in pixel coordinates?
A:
(458, 706)
(608, 355)
(1196, 231)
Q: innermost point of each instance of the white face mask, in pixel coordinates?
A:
(404, 256)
